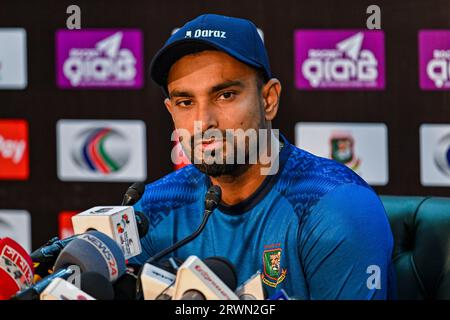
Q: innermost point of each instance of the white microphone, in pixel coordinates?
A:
(118, 222)
(252, 289)
(157, 283)
(196, 281)
(60, 289)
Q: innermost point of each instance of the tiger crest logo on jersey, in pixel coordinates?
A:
(273, 272)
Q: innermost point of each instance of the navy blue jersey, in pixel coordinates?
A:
(315, 229)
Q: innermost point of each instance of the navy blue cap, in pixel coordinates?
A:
(237, 37)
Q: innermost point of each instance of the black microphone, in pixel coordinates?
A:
(96, 285)
(125, 287)
(142, 223)
(224, 269)
(44, 257)
(133, 194)
(49, 251)
(212, 200)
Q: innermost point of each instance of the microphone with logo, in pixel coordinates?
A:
(93, 286)
(252, 289)
(158, 279)
(212, 200)
(121, 223)
(212, 279)
(16, 268)
(89, 252)
(45, 257)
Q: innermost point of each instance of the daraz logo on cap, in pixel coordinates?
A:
(199, 33)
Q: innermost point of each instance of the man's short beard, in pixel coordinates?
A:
(220, 169)
(216, 170)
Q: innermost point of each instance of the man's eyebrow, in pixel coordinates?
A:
(216, 88)
(227, 84)
(176, 93)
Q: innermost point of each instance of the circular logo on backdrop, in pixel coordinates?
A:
(101, 150)
(442, 155)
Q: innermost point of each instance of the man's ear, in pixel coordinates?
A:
(271, 97)
(168, 105)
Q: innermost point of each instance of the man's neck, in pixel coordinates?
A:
(237, 189)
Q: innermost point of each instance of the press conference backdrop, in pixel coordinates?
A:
(80, 120)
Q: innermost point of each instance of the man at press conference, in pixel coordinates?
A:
(310, 225)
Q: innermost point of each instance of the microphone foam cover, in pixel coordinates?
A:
(125, 287)
(139, 187)
(97, 286)
(93, 251)
(16, 268)
(212, 197)
(224, 269)
(142, 223)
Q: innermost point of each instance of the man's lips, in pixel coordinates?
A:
(211, 145)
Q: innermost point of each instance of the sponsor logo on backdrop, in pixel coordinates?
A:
(342, 150)
(14, 162)
(90, 151)
(99, 58)
(13, 58)
(339, 59)
(434, 57)
(16, 224)
(97, 150)
(360, 146)
(442, 154)
(435, 154)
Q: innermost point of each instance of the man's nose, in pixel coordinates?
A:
(206, 113)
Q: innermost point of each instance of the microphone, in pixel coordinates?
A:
(45, 256)
(89, 252)
(118, 222)
(16, 268)
(252, 289)
(93, 251)
(157, 283)
(214, 279)
(158, 279)
(33, 292)
(94, 286)
(212, 200)
(142, 223)
(60, 289)
(125, 287)
(133, 194)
